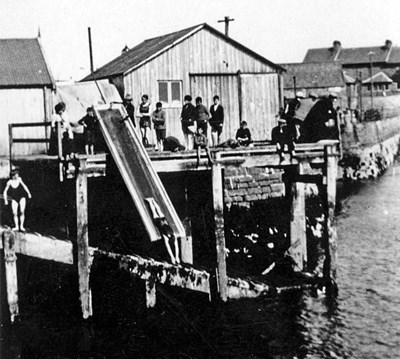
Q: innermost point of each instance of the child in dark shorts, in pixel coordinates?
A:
(144, 118)
(158, 117)
(89, 127)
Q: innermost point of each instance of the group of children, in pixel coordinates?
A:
(68, 144)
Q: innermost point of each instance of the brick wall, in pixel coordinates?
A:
(246, 185)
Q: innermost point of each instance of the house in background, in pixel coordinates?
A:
(364, 64)
(200, 61)
(319, 77)
(26, 87)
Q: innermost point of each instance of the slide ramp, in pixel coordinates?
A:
(134, 164)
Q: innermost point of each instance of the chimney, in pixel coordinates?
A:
(388, 44)
(337, 45)
(125, 49)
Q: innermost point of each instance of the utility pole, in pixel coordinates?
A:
(226, 21)
(294, 86)
(370, 77)
(90, 51)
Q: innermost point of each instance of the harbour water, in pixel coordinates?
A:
(362, 322)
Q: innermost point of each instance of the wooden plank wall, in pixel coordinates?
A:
(204, 52)
(260, 103)
(18, 106)
(227, 89)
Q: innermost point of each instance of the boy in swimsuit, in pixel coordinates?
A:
(165, 230)
(17, 191)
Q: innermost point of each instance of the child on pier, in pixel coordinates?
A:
(165, 229)
(17, 191)
(89, 123)
(201, 141)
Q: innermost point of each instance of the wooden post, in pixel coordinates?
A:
(10, 259)
(331, 160)
(83, 240)
(298, 238)
(10, 143)
(187, 242)
(60, 152)
(150, 293)
(240, 97)
(218, 199)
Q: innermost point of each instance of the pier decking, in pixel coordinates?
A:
(323, 157)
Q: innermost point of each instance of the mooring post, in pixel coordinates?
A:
(218, 199)
(298, 238)
(83, 240)
(331, 160)
(10, 259)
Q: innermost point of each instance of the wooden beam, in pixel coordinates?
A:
(218, 199)
(160, 272)
(298, 238)
(246, 158)
(10, 259)
(43, 247)
(83, 241)
(31, 140)
(330, 265)
(31, 124)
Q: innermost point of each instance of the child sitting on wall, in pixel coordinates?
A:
(201, 141)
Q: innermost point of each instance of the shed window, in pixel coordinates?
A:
(170, 93)
(163, 92)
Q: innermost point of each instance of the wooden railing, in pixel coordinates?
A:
(13, 140)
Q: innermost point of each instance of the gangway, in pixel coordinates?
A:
(136, 168)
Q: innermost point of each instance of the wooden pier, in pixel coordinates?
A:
(321, 157)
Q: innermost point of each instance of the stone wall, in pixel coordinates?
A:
(246, 185)
(370, 162)
(369, 148)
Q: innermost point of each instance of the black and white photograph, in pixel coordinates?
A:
(189, 179)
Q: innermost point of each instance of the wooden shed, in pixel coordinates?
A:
(200, 61)
(26, 86)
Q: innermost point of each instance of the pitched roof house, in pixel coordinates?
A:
(320, 77)
(26, 86)
(357, 61)
(200, 61)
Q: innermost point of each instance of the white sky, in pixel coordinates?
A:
(280, 30)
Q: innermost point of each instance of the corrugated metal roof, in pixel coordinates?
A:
(151, 48)
(22, 63)
(313, 75)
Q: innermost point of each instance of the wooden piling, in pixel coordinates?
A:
(187, 242)
(331, 160)
(10, 259)
(60, 152)
(150, 293)
(218, 199)
(83, 240)
(298, 238)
